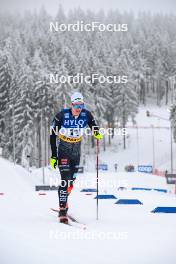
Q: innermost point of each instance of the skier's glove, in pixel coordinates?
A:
(53, 162)
(98, 135)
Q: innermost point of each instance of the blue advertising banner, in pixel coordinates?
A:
(103, 167)
(145, 168)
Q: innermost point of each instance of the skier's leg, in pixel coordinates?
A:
(74, 165)
(64, 167)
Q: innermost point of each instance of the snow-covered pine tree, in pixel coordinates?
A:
(23, 116)
(125, 95)
(173, 120)
(5, 82)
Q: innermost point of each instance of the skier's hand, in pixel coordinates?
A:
(98, 135)
(53, 162)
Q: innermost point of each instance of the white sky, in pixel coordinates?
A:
(165, 6)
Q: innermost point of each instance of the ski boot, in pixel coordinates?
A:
(63, 215)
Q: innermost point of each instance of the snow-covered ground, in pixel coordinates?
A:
(30, 232)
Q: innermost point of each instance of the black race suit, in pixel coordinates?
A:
(68, 149)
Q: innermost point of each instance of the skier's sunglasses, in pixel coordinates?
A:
(78, 106)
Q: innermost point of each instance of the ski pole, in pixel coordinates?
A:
(97, 150)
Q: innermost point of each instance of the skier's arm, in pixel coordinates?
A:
(91, 122)
(55, 127)
(93, 126)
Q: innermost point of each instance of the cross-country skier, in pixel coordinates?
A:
(69, 123)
